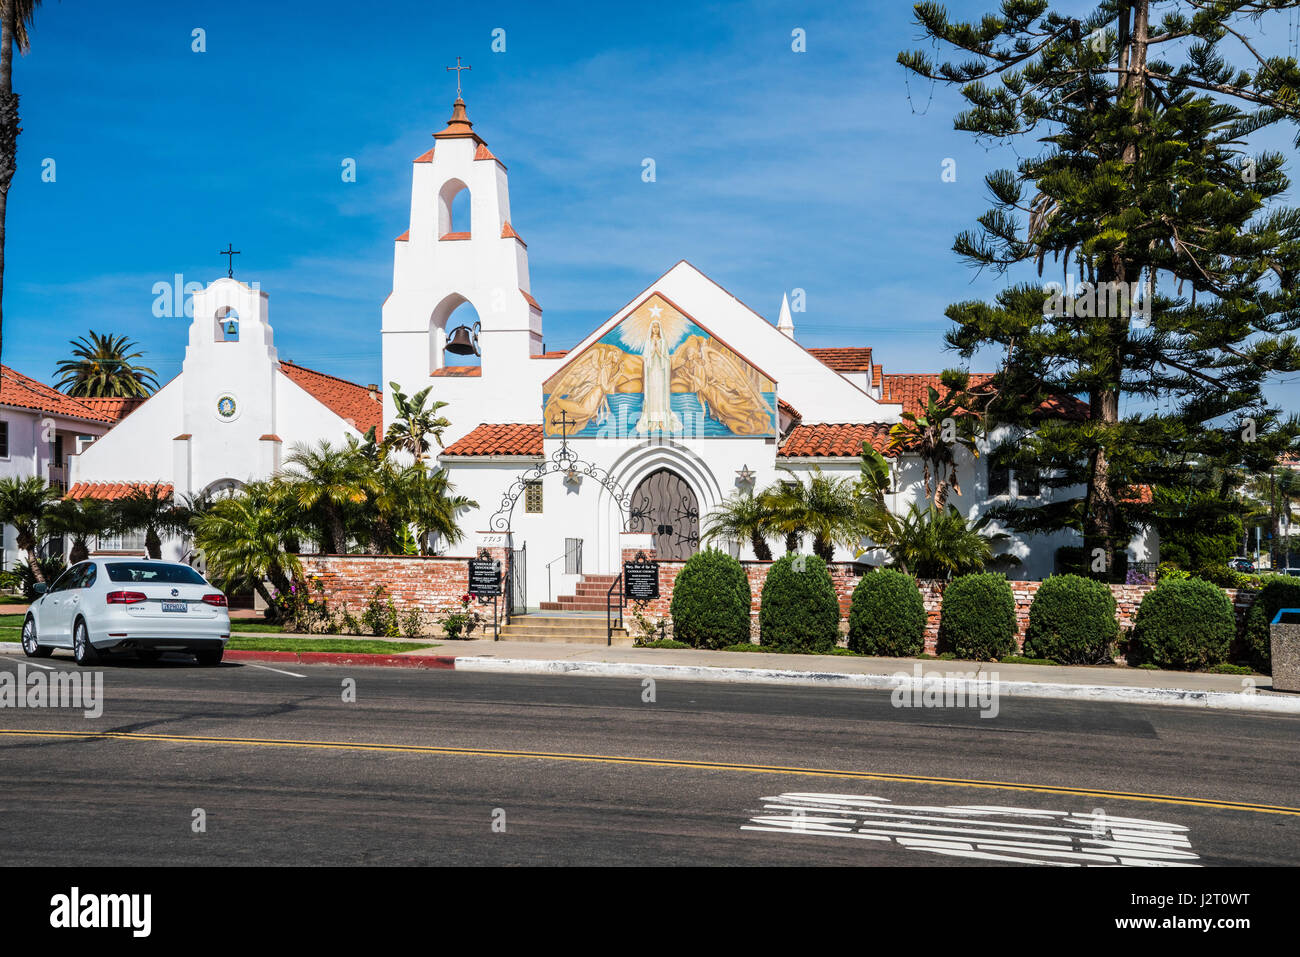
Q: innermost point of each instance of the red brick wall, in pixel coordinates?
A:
(434, 584)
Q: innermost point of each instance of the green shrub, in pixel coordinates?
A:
(1182, 624)
(887, 616)
(1072, 620)
(1278, 591)
(380, 616)
(711, 597)
(799, 611)
(978, 620)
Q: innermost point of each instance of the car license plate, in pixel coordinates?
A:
(175, 606)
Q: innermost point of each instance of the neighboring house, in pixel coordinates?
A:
(233, 414)
(41, 429)
(682, 397)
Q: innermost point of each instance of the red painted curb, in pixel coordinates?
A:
(337, 658)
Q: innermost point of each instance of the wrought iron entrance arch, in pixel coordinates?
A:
(572, 465)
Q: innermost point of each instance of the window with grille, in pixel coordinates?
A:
(532, 496)
(1027, 483)
(4, 440)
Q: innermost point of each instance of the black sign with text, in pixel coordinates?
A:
(484, 577)
(640, 580)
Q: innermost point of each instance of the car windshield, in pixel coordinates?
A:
(146, 573)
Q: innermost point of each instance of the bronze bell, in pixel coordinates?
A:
(463, 341)
(232, 329)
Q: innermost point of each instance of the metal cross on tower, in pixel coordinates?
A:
(458, 68)
(230, 252)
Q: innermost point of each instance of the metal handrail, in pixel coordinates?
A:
(567, 553)
(609, 609)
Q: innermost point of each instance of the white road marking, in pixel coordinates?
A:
(31, 664)
(982, 832)
(276, 670)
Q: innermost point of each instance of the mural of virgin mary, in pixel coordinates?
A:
(656, 410)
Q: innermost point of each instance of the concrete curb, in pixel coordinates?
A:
(446, 662)
(967, 687)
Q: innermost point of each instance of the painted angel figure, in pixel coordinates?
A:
(656, 411)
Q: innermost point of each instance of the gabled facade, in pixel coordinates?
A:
(232, 415)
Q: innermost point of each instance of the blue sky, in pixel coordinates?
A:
(775, 170)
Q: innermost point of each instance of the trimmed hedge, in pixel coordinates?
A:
(978, 620)
(1072, 620)
(1279, 591)
(800, 610)
(1182, 624)
(711, 597)
(887, 616)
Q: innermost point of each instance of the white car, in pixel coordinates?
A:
(128, 604)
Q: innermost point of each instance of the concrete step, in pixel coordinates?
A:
(579, 625)
(516, 633)
(573, 604)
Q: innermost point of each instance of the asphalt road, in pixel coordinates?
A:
(286, 771)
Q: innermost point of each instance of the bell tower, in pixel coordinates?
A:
(460, 247)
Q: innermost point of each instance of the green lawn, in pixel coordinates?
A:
(348, 646)
(252, 624)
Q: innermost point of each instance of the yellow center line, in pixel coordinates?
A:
(658, 763)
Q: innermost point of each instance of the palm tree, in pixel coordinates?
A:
(150, 508)
(243, 539)
(15, 23)
(328, 483)
(24, 504)
(945, 425)
(102, 367)
(741, 517)
(830, 510)
(413, 424)
(80, 519)
(436, 507)
(932, 543)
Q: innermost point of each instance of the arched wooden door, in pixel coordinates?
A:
(664, 505)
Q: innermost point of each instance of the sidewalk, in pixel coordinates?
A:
(1092, 683)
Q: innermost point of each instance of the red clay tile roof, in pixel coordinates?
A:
(512, 438)
(551, 355)
(425, 157)
(347, 400)
(834, 439)
(116, 409)
(111, 491)
(531, 301)
(1137, 495)
(451, 236)
(788, 409)
(405, 237)
(483, 153)
(459, 125)
(845, 359)
(458, 371)
(24, 392)
(508, 232)
(911, 389)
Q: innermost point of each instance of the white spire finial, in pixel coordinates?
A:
(784, 323)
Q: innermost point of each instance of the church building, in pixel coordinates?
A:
(231, 416)
(682, 397)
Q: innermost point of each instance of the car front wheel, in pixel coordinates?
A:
(31, 647)
(82, 650)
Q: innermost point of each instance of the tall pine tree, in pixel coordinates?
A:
(1178, 266)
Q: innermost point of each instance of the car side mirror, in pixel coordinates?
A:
(40, 588)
